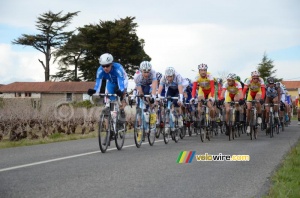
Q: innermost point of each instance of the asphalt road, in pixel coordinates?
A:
(78, 169)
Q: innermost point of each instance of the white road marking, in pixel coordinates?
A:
(64, 158)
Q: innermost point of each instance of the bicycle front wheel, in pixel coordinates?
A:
(104, 132)
(166, 129)
(120, 133)
(138, 131)
(152, 129)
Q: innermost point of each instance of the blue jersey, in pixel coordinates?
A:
(116, 76)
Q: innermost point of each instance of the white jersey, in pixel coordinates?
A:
(141, 81)
(177, 80)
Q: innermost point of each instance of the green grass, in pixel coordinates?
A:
(286, 180)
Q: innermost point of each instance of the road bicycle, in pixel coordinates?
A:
(171, 128)
(145, 122)
(111, 125)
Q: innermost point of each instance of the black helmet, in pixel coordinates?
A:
(271, 80)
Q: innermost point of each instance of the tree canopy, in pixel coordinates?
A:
(266, 68)
(83, 50)
(51, 36)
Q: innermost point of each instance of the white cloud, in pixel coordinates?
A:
(21, 66)
(228, 36)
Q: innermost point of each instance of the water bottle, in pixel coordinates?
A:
(114, 115)
(146, 116)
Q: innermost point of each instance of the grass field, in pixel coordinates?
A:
(286, 180)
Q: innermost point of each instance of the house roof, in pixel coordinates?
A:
(291, 84)
(47, 87)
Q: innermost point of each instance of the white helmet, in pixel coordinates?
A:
(106, 59)
(145, 66)
(255, 73)
(170, 71)
(231, 77)
(202, 66)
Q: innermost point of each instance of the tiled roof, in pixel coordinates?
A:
(291, 84)
(48, 87)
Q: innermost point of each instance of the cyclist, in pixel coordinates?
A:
(272, 96)
(174, 84)
(283, 104)
(116, 80)
(256, 92)
(288, 103)
(232, 90)
(146, 81)
(206, 89)
(297, 104)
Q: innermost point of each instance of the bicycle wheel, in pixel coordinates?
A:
(120, 133)
(152, 129)
(176, 135)
(159, 126)
(166, 129)
(104, 132)
(230, 131)
(271, 126)
(138, 128)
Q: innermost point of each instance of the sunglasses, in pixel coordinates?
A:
(105, 66)
(255, 78)
(146, 71)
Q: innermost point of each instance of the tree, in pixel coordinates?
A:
(51, 37)
(70, 54)
(117, 37)
(266, 68)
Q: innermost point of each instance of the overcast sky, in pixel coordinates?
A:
(229, 36)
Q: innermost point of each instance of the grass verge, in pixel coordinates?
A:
(286, 180)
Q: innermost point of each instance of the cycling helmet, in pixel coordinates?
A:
(238, 78)
(106, 59)
(231, 76)
(158, 76)
(170, 71)
(271, 80)
(219, 80)
(145, 66)
(255, 73)
(202, 66)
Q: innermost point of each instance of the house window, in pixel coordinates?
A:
(27, 94)
(69, 96)
(18, 95)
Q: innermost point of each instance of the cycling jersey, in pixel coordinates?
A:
(141, 81)
(116, 76)
(231, 90)
(272, 92)
(206, 85)
(177, 80)
(254, 88)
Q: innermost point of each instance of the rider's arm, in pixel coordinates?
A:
(180, 89)
(222, 94)
(154, 85)
(160, 88)
(194, 89)
(99, 77)
(139, 88)
(245, 90)
(263, 91)
(212, 88)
